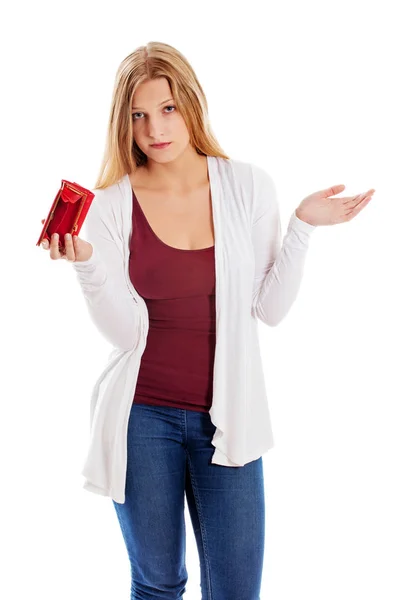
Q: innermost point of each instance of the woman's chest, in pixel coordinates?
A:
(183, 221)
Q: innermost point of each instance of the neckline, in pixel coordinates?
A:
(152, 230)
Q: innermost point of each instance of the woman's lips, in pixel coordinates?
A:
(160, 146)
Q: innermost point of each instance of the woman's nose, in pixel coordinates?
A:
(154, 129)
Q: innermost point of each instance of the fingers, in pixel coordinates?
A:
(352, 201)
(358, 208)
(54, 247)
(68, 253)
(363, 202)
(363, 198)
(69, 247)
(354, 208)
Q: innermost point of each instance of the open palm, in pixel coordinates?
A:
(321, 208)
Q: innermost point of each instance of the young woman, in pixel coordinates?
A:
(184, 258)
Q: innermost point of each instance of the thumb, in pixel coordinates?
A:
(332, 191)
(76, 241)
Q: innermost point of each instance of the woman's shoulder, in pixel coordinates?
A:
(107, 202)
(250, 174)
(111, 193)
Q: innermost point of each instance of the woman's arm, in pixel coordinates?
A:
(111, 306)
(278, 265)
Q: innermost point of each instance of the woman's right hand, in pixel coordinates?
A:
(76, 249)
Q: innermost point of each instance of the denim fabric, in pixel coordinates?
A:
(169, 458)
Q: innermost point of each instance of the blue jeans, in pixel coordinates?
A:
(169, 454)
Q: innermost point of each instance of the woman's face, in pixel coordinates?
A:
(155, 119)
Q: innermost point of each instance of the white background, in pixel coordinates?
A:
(308, 91)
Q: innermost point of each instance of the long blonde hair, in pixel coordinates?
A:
(121, 154)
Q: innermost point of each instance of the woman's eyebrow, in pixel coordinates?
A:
(138, 107)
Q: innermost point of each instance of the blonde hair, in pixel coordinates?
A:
(121, 154)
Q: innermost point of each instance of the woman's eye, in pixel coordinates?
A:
(139, 113)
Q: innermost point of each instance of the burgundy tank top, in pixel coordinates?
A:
(178, 287)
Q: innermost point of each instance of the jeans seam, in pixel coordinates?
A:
(202, 528)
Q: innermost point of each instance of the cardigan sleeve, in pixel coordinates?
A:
(279, 264)
(111, 306)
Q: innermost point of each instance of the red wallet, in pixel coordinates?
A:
(67, 212)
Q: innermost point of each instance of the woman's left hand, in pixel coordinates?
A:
(321, 208)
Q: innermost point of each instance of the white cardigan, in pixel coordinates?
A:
(257, 276)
